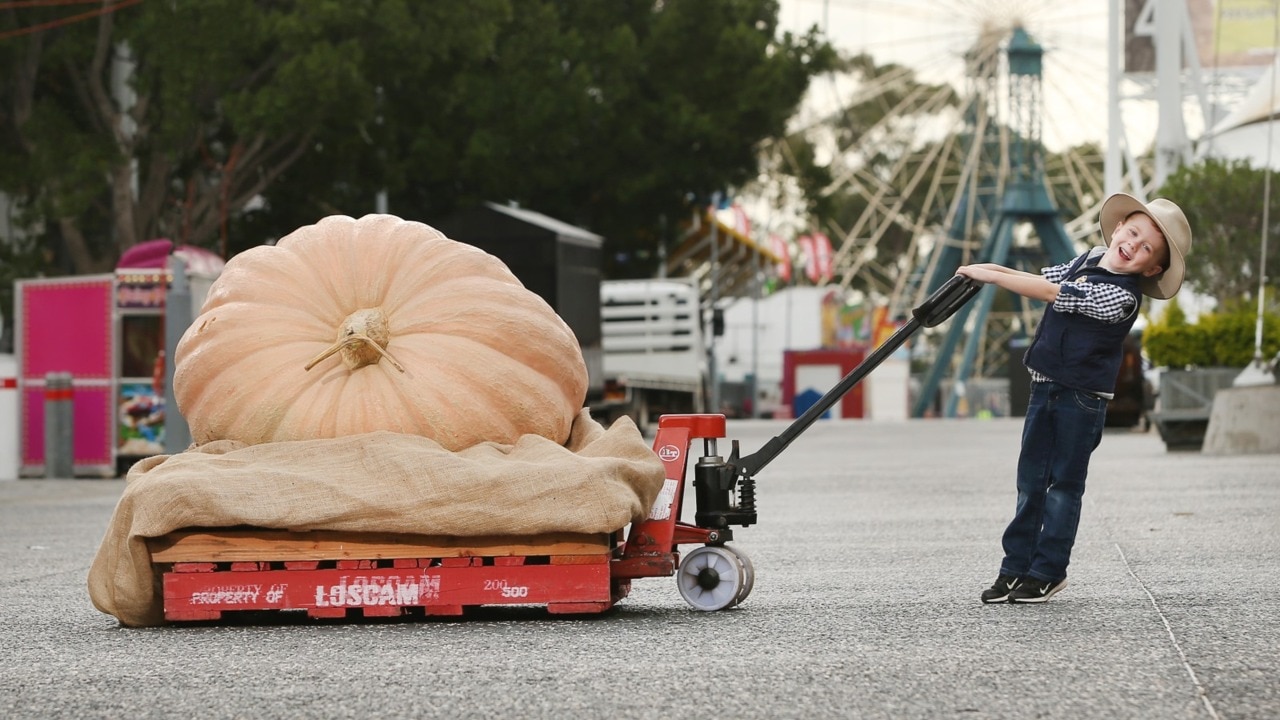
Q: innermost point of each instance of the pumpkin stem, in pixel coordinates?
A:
(361, 340)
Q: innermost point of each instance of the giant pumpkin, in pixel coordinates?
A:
(350, 326)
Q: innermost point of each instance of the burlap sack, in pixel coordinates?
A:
(599, 481)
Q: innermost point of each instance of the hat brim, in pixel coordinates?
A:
(1165, 285)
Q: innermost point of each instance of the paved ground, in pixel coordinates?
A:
(874, 541)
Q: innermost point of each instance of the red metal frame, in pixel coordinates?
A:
(651, 547)
(588, 583)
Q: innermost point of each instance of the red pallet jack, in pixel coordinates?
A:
(209, 572)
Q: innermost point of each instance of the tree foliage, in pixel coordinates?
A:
(244, 119)
(166, 119)
(1223, 201)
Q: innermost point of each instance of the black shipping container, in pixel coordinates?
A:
(558, 261)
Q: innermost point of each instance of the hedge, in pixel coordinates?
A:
(1217, 340)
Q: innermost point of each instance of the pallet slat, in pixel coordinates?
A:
(256, 545)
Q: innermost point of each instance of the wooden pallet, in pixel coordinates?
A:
(207, 572)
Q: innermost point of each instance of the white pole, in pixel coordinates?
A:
(1266, 202)
(712, 370)
(1112, 171)
(1257, 373)
(1171, 135)
(754, 385)
(1266, 217)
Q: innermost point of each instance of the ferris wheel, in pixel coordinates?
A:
(950, 122)
(925, 139)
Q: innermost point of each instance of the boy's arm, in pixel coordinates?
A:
(1024, 283)
(1003, 269)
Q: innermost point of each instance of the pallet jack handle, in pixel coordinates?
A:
(939, 306)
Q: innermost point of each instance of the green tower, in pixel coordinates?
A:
(1021, 197)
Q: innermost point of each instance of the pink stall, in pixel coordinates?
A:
(107, 331)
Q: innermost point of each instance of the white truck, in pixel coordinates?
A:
(655, 361)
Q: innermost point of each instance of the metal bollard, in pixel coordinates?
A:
(59, 425)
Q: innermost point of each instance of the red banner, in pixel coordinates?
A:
(817, 257)
(779, 247)
(823, 268)
(810, 257)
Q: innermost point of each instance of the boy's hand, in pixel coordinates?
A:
(983, 272)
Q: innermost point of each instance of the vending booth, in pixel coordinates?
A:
(107, 332)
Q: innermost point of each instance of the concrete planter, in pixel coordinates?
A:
(1185, 404)
(1245, 421)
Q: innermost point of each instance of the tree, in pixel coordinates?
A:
(1223, 201)
(613, 116)
(166, 119)
(236, 121)
(229, 123)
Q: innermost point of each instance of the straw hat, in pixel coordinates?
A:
(1173, 225)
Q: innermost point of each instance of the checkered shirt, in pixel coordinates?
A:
(1101, 301)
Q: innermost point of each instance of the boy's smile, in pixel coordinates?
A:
(1137, 247)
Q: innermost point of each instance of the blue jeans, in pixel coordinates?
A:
(1062, 428)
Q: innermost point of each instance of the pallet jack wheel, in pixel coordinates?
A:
(711, 578)
(748, 573)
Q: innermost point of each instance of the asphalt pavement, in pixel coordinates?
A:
(874, 541)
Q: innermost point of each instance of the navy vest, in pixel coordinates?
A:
(1079, 351)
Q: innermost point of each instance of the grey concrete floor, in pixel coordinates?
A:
(873, 543)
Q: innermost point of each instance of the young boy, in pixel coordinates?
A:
(1074, 360)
